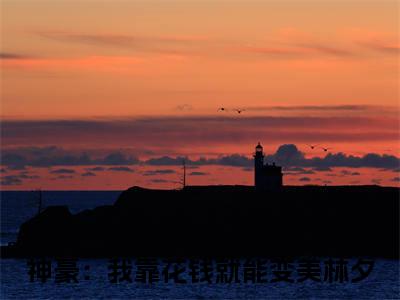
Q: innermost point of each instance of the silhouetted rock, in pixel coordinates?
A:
(223, 221)
(50, 228)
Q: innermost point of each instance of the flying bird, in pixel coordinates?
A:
(312, 146)
(239, 110)
(222, 109)
(325, 149)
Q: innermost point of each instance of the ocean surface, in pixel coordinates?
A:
(17, 207)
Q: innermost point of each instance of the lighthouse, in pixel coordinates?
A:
(266, 176)
(258, 165)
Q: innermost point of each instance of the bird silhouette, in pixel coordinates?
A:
(325, 149)
(312, 146)
(222, 109)
(239, 111)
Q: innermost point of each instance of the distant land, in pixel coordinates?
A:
(222, 221)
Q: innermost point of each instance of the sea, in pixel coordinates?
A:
(93, 279)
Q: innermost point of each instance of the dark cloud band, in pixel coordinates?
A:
(199, 130)
(287, 155)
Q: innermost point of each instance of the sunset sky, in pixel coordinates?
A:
(111, 94)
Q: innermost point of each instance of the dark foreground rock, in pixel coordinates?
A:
(222, 221)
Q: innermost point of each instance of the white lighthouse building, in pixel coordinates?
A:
(266, 177)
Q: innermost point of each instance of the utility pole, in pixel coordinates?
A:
(184, 174)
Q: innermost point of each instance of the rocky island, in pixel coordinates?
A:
(222, 221)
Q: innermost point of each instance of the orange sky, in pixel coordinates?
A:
(85, 61)
(84, 58)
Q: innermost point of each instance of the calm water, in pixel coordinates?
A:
(17, 207)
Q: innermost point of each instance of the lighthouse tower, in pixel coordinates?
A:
(266, 177)
(258, 165)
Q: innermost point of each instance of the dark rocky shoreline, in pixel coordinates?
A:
(222, 221)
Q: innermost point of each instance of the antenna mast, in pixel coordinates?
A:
(40, 201)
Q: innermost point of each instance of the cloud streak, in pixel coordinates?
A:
(304, 50)
(198, 173)
(12, 56)
(380, 46)
(11, 180)
(316, 108)
(158, 172)
(54, 156)
(121, 169)
(63, 171)
(159, 44)
(88, 174)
